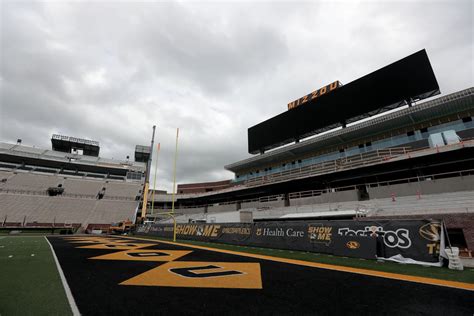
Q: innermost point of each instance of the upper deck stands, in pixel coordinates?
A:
(458, 102)
(20, 154)
(35, 183)
(30, 182)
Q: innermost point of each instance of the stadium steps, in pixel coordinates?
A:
(91, 213)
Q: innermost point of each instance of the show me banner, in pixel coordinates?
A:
(415, 239)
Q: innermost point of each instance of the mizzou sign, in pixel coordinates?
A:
(314, 95)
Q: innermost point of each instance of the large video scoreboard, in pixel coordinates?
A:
(409, 79)
(70, 144)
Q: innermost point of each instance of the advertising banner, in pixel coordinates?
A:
(418, 240)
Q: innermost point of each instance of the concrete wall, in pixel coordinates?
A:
(465, 183)
(193, 210)
(278, 203)
(341, 196)
(222, 208)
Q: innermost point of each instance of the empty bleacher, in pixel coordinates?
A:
(80, 186)
(122, 189)
(5, 174)
(24, 199)
(430, 185)
(108, 211)
(30, 182)
(454, 202)
(45, 209)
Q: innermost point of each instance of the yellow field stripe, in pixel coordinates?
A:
(387, 275)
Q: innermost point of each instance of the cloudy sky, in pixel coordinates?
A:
(110, 70)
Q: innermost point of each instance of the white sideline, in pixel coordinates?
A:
(70, 298)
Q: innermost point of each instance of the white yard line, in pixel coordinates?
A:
(70, 298)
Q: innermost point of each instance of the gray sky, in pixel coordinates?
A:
(109, 71)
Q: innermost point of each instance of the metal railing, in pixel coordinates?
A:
(354, 161)
(314, 193)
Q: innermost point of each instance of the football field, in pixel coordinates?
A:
(115, 275)
(29, 280)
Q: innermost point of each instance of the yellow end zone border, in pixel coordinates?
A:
(380, 274)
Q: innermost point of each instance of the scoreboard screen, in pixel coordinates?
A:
(409, 79)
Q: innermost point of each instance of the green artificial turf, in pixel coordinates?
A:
(29, 280)
(442, 273)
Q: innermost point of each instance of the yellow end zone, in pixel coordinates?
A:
(229, 275)
(381, 274)
(236, 275)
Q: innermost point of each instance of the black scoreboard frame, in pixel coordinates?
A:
(404, 81)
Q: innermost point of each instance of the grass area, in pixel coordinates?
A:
(408, 269)
(39, 232)
(30, 283)
(30, 231)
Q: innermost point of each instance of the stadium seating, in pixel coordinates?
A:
(80, 186)
(122, 189)
(5, 175)
(24, 199)
(431, 186)
(444, 203)
(31, 182)
(45, 209)
(108, 211)
(407, 205)
(73, 186)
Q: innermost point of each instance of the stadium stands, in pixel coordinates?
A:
(24, 208)
(24, 198)
(382, 167)
(73, 186)
(204, 187)
(83, 187)
(122, 189)
(30, 182)
(409, 127)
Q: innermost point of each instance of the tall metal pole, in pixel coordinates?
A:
(147, 176)
(154, 178)
(174, 184)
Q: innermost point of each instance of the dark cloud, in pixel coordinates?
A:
(109, 71)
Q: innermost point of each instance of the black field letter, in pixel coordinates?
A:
(188, 272)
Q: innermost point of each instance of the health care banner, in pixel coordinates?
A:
(411, 241)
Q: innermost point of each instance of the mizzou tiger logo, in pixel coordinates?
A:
(431, 231)
(352, 244)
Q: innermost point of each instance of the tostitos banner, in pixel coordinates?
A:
(409, 241)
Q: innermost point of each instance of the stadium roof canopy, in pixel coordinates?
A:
(41, 154)
(454, 103)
